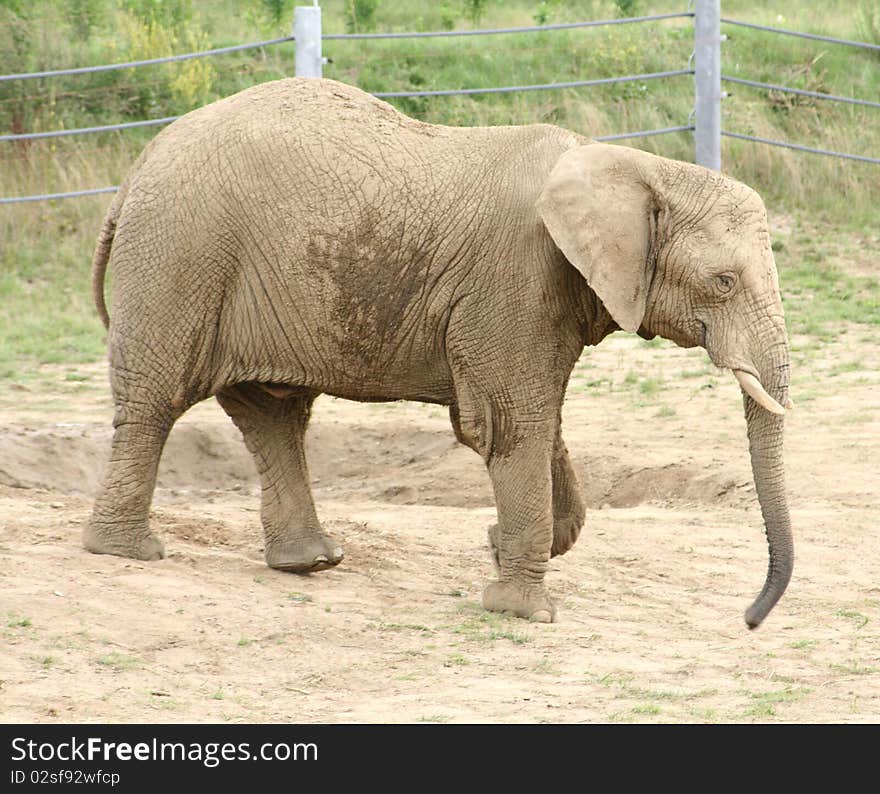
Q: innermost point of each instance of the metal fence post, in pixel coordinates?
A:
(307, 33)
(707, 66)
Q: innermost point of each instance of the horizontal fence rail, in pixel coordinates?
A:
(128, 125)
(537, 87)
(149, 62)
(644, 133)
(800, 148)
(49, 196)
(492, 31)
(800, 92)
(783, 32)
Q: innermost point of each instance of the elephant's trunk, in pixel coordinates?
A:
(765, 430)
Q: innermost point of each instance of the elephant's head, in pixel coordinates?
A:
(676, 250)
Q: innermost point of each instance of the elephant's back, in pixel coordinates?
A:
(289, 118)
(297, 108)
(298, 102)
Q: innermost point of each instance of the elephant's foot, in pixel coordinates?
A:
(303, 555)
(565, 532)
(525, 601)
(137, 545)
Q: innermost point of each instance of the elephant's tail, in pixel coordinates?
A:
(102, 255)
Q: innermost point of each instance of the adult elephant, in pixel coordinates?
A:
(302, 237)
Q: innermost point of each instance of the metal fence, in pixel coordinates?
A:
(706, 59)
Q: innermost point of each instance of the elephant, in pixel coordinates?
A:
(302, 237)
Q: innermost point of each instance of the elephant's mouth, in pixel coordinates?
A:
(745, 376)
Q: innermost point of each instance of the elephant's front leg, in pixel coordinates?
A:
(522, 539)
(274, 432)
(568, 506)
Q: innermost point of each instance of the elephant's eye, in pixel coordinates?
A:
(725, 282)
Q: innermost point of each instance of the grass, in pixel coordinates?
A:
(803, 645)
(624, 684)
(45, 247)
(547, 667)
(119, 662)
(651, 703)
(697, 373)
(845, 367)
(819, 298)
(405, 627)
(478, 625)
(854, 667)
(650, 386)
(765, 703)
(856, 617)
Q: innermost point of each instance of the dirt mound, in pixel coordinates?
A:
(607, 482)
(394, 464)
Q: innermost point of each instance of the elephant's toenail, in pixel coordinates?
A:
(541, 616)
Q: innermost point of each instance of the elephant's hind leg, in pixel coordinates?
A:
(120, 519)
(274, 430)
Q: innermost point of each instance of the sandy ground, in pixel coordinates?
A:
(651, 598)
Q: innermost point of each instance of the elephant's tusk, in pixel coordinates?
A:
(752, 386)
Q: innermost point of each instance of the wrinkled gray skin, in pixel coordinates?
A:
(302, 238)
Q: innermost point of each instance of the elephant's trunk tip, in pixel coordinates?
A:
(753, 620)
(777, 580)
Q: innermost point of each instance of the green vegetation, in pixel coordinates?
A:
(456, 660)
(405, 627)
(477, 625)
(45, 247)
(858, 618)
(764, 703)
(854, 667)
(803, 645)
(119, 662)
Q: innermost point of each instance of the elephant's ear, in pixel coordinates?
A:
(598, 206)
